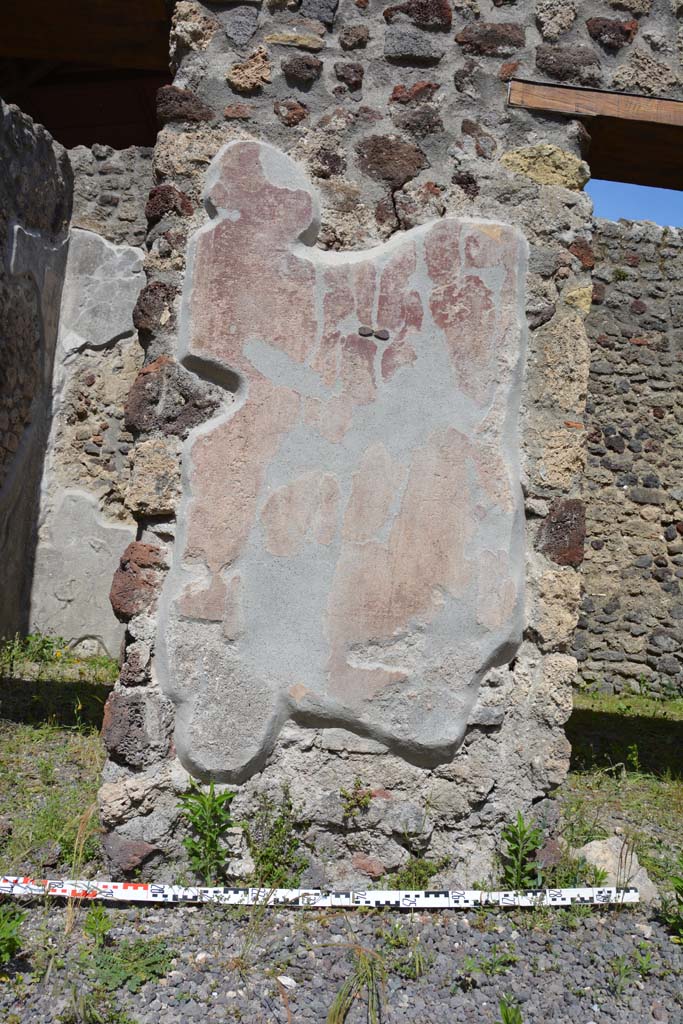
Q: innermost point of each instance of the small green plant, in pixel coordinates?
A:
(415, 873)
(619, 274)
(130, 964)
(208, 815)
(622, 974)
(642, 958)
(523, 840)
(369, 975)
(498, 963)
(355, 800)
(404, 953)
(38, 647)
(509, 1011)
(633, 758)
(97, 924)
(573, 871)
(11, 919)
(274, 842)
(92, 1008)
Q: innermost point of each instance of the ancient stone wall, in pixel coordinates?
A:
(630, 633)
(110, 191)
(85, 519)
(35, 202)
(394, 118)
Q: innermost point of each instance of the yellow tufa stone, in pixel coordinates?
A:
(580, 298)
(251, 74)
(304, 40)
(548, 165)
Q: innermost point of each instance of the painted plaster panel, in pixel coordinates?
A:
(350, 551)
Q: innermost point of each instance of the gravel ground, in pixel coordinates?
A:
(620, 966)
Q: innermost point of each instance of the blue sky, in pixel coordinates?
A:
(614, 199)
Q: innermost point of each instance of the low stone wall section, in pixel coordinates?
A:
(630, 632)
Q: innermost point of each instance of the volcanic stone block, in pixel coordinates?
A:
(135, 582)
(563, 532)
(351, 552)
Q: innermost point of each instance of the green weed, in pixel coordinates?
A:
(92, 1008)
(415, 874)
(523, 840)
(129, 964)
(642, 958)
(40, 655)
(273, 837)
(97, 924)
(207, 813)
(509, 1011)
(404, 953)
(48, 776)
(498, 963)
(11, 919)
(622, 974)
(368, 975)
(355, 800)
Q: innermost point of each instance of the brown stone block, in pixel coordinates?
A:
(154, 307)
(391, 159)
(135, 582)
(370, 866)
(415, 93)
(569, 63)
(354, 37)
(492, 39)
(127, 855)
(423, 13)
(168, 398)
(166, 199)
(303, 69)
(175, 104)
(581, 248)
(612, 33)
(563, 532)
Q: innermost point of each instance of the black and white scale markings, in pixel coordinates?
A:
(391, 899)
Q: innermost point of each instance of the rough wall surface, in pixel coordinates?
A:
(110, 191)
(35, 202)
(630, 633)
(85, 521)
(398, 116)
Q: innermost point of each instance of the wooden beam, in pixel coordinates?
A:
(637, 152)
(105, 33)
(586, 103)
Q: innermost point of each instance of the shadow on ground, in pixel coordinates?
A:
(64, 702)
(603, 738)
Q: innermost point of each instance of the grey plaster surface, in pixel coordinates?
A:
(77, 555)
(102, 284)
(78, 547)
